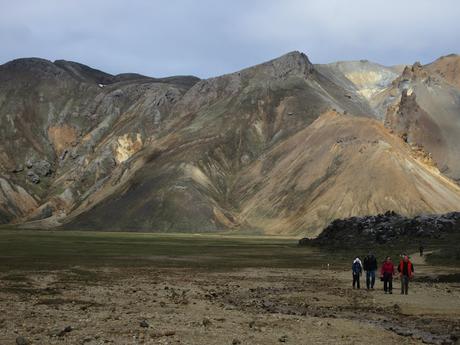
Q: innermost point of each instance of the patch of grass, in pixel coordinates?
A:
(446, 250)
(445, 257)
(27, 290)
(16, 278)
(76, 253)
(44, 250)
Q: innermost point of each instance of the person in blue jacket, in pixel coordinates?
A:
(357, 269)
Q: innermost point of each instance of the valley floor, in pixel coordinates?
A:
(156, 300)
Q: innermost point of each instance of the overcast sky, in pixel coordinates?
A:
(213, 37)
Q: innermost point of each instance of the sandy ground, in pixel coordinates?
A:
(250, 306)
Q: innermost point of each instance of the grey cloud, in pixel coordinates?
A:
(207, 38)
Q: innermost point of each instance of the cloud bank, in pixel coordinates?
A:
(208, 38)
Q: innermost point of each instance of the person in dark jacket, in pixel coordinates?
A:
(356, 269)
(386, 273)
(370, 266)
(420, 248)
(406, 272)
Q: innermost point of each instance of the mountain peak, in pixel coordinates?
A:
(30, 68)
(294, 62)
(85, 73)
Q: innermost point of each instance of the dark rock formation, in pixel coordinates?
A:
(385, 227)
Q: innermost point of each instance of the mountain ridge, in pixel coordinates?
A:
(130, 152)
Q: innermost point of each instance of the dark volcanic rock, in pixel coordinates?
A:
(66, 330)
(385, 227)
(21, 341)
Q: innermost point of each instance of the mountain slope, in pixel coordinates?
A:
(338, 167)
(220, 126)
(282, 147)
(448, 67)
(63, 133)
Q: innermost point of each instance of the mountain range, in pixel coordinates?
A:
(280, 148)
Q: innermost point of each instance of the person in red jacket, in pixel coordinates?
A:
(406, 271)
(386, 273)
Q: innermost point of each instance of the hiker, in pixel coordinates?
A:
(386, 274)
(406, 272)
(420, 248)
(370, 266)
(357, 269)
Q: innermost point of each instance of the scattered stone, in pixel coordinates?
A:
(283, 339)
(236, 342)
(403, 332)
(66, 330)
(144, 324)
(42, 168)
(21, 341)
(33, 177)
(206, 322)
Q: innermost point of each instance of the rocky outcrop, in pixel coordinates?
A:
(384, 228)
(423, 108)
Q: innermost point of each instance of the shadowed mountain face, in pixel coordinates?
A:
(283, 147)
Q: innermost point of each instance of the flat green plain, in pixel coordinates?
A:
(36, 250)
(48, 250)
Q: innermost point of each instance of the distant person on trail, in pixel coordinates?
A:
(386, 274)
(357, 269)
(420, 248)
(406, 271)
(370, 266)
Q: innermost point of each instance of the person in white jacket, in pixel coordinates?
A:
(357, 270)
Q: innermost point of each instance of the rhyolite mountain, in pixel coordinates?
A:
(284, 147)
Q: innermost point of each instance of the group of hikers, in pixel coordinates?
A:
(387, 272)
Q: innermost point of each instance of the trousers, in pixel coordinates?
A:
(356, 280)
(370, 279)
(387, 282)
(404, 284)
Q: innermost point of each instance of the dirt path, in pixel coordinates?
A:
(419, 260)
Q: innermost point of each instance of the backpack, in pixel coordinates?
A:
(356, 267)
